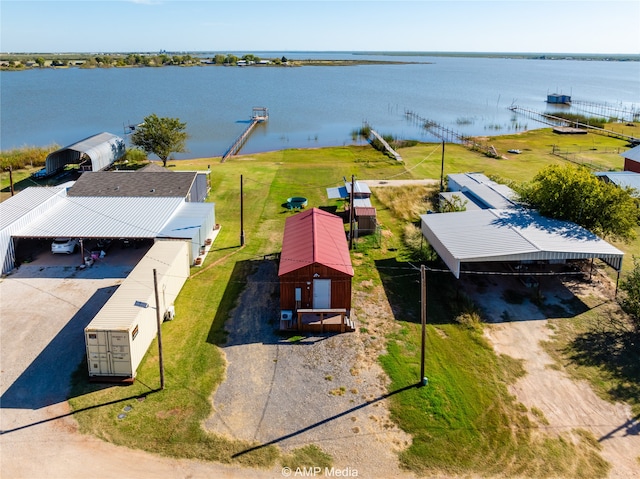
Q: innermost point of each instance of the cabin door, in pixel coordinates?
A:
(321, 293)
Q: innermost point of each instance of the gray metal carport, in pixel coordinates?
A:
(92, 154)
(511, 235)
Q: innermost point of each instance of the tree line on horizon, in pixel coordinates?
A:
(23, 61)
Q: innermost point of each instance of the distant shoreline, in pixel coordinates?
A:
(35, 60)
(517, 56)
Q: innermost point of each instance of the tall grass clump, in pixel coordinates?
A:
(578, 118)
(408, 202)
(25, 157)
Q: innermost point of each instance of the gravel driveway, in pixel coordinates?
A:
(43, 311)
(317, 390)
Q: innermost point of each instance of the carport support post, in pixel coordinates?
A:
(155, 287)
(423, 308)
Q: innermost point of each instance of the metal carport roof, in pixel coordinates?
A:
(511, 235)
(102, 149)
(103, 217)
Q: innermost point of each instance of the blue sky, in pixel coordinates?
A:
(574, 26)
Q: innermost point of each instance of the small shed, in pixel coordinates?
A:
(364, 213)
(92, 154)
(315, 274)
(366, 219)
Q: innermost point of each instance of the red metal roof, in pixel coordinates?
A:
(314, 236)
(364, 211)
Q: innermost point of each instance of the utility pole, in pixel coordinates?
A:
(423, 307)
(351, 212)
(442, 170)
(155, 287)
(241, 214)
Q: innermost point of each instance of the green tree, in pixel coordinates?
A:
(40, 61)
(630, 301)
(161, 136)
(574, 194)
(455, 204)
(219, 59)
(231, 59)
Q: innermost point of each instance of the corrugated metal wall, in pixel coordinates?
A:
(125, 310)
(7, 245)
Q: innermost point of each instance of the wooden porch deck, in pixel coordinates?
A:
(320, 320)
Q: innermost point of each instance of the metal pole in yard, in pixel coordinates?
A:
(442, 169)
(241, 214)
(159, 322)
(351, 212)
(423, 307)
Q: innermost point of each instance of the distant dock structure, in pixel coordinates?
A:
(559, 99)
(258, 115)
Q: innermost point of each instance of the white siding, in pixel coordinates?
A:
(19, 211)
(125, 311)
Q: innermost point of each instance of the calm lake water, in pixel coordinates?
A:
(308, 106)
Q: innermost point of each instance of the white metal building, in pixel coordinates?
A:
(492, 235)
(18, 212)
(39, 212)
(119, 336)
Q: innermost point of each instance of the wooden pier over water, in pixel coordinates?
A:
(556, 121)
(384, 143)
(258, 115)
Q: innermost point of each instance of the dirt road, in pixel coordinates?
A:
(567, 404)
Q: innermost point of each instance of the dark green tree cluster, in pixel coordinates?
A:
(574, 194)
(161, 136)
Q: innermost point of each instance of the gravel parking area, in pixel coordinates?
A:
(44, 307)
(317, 390)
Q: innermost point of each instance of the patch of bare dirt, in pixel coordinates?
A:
(566, 404)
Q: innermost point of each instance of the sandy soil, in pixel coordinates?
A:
(567, 404)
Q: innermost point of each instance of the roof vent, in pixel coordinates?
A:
(153, 190)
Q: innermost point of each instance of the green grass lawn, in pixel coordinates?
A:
(463, 422)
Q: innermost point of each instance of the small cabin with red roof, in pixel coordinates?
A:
(315, 274)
